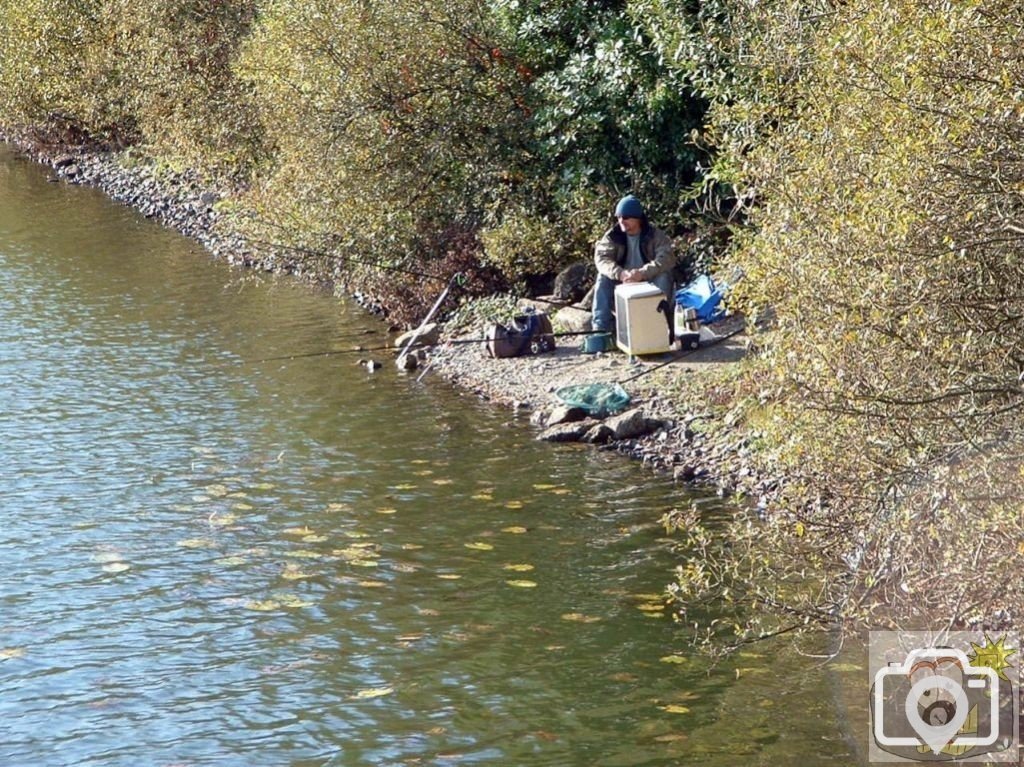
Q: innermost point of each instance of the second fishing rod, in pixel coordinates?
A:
(392, 347)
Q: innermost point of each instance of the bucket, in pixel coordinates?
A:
(598, 342)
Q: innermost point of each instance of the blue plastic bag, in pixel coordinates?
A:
(703, 297)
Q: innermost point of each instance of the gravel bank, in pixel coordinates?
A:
(697, 441)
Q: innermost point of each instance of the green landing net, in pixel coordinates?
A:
(598, 399)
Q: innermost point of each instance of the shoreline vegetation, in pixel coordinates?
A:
(872, 194)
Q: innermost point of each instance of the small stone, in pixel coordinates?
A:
(373, 365)
(407, 362)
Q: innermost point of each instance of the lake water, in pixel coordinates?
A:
(210, 561)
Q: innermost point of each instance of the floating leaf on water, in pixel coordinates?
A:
(561, 491)
(449, 576)
(677, 659)
(430, 612)
(116, 567)
(671, 737)
(651, 607)
(371, 584)
(293, 572)
(424, 472)
(404, 567)
(444, 481)
(514, 530)
(482, 497)
(294, 601)
(264, 605)
(339, 506)
(355, 534)
(9, 653)
(479, 546)
(519, 568)
(514, 505)
(350, 553)
(196, 543)
(363, 562)
(580, 618)
(298, 530)
(314, 538)
(745, 671)
(647, 597)
(231, 561)
(544, 486)
(623, 676)
(388, 510)
(419, 461)
(406, 486)
(410, 637)
(412, 546)
(373, 692)
(522, 584)
(675, 708)
(654, 615)
(304, 554)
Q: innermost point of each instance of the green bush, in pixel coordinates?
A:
(887, 243)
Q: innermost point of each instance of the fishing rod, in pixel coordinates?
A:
(361, 350)
(685, 354)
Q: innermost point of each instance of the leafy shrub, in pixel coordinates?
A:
(887, 241)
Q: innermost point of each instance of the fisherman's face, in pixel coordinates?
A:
(629, 225)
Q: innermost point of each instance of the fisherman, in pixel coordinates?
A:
(633, 250)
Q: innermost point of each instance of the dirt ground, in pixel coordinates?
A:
(530, 381)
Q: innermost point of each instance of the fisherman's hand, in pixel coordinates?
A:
(631, 275)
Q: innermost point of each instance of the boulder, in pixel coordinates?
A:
(599, 434)
(566, 432)
(565, 414)
(632, 423)
(428, 336)
(572, 319)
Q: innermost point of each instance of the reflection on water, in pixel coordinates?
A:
(217, 563)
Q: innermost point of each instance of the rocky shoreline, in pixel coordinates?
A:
(669, 425)
(665, 426)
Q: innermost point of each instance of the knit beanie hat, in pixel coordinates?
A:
(629, 207)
